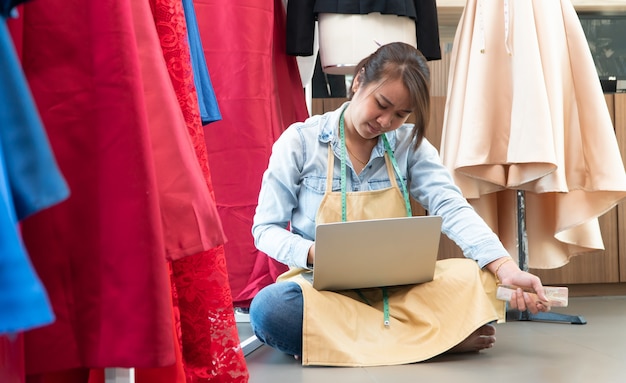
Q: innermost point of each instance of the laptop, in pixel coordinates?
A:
(376, 253)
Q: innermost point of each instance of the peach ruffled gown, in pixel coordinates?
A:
(525, 111)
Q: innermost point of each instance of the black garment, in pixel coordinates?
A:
(6, 6)
(326, 85)
(302, 14)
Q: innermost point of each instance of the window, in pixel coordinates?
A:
(606, 35)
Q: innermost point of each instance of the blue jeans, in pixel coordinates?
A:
(276, 317)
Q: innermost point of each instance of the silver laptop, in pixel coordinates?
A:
(376, 253)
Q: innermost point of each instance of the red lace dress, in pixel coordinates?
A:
(210, 343)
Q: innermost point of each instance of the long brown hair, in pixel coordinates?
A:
(400, 60)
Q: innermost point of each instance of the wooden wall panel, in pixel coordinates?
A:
(620, 131)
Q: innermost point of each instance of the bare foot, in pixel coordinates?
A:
(480, 339)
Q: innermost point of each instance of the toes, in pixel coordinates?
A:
(488, 341)
(482, 338)
(487, 330)
(483, 342)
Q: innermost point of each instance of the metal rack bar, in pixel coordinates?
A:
(522, 253)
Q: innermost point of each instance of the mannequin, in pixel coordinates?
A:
(349, 30)
(345, 38)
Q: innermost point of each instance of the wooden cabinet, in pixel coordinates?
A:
(619, 120)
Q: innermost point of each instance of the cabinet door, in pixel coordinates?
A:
(620, 131)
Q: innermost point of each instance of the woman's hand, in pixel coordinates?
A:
(508, 273)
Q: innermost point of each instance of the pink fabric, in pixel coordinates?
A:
(101, 253)
(259, 92)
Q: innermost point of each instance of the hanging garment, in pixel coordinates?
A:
(302, 14)
(11, 358)
(425, 320)
(30, 181)
(23, 300)
(525, 111)
(174, 373)
(100, 254)
(208, 334)
(209, 109)
(171, 374)
(260, 93)
(191, 223)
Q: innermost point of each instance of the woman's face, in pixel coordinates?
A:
(379, 107)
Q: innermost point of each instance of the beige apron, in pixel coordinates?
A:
(340, 329)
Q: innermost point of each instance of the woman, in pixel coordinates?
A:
(450, 314)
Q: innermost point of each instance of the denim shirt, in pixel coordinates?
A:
(295, 181)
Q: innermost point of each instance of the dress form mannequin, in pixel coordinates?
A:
(345, 39)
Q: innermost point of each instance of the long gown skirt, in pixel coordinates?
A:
(207, 331)
(102, 253)
(260, 94)
(525, 111)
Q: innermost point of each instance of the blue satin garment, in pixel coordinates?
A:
(30, 180)
(209, 109)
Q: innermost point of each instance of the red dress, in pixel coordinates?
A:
(138, 194)
(260, 93)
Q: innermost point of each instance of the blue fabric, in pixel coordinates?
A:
(295, 181)
(209, 109)
(23, 301)
(276, 314)
(29, 181)
(34, 178)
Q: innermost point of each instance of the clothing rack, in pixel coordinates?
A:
(522, 253)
